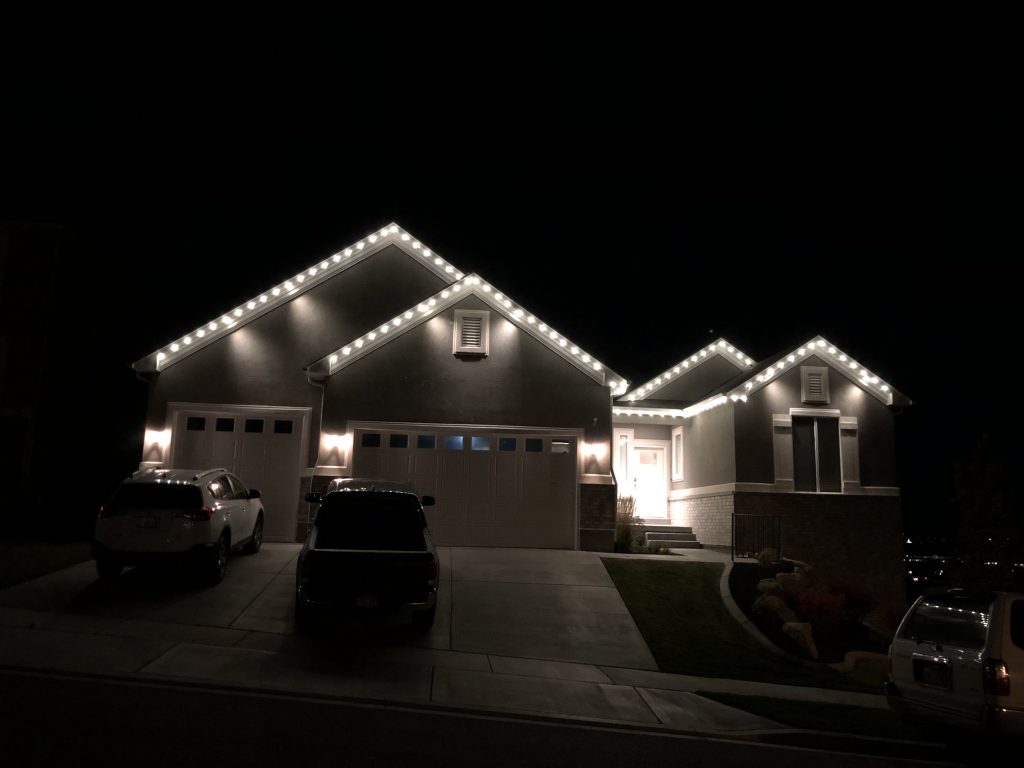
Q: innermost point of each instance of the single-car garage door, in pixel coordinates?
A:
(504, 488)
(262, 446)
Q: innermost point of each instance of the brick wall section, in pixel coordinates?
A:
(304, 517)
(597, 517)
(710, 517)
(856, 539)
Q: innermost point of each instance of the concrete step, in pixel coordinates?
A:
(672, 536)
(679, 544)
(666, 529)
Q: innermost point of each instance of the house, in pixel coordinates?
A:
(385, 360)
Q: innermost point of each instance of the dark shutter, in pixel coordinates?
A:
(804, 472)
(829, 471)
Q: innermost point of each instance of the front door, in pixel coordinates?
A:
(650, 480)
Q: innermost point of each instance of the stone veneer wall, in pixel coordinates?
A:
(710, 517)
(597, 517)
(855, 539)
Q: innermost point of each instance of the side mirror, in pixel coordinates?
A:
(314, 498)
(253, 493)
(427, 501)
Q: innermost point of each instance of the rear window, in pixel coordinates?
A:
(156, 496)
(948, 620)
(358, 520)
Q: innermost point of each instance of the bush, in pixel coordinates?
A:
(823, 609)
(767, 556)
(859, 601)
(626, 523)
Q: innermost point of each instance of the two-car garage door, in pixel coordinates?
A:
(511, 488)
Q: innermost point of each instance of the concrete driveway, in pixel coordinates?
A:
(529, 631)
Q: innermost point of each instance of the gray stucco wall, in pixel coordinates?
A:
(709, 449)
(415, 377)
(755, 461)
(649, 431)
(262, 362)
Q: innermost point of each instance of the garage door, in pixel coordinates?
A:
(262, 447)
(493, 488)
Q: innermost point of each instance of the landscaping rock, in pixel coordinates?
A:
(800, 633)
(769, 587)
(774, 607)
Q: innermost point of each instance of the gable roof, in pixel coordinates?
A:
(470, 285)
(719, 347)
(285, 291)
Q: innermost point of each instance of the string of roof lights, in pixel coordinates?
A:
(299, 283)
(440, 301)
(817, 346)
(718, 347)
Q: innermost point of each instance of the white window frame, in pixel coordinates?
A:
(457, 347)
(677, 455)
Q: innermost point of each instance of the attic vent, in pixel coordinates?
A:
(471, 332)
(814, 384)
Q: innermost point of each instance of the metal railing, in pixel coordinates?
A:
(752, 534)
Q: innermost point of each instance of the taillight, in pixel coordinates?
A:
(996, 677)
(201, 514)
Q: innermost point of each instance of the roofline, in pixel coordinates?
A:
(280, 294)
(473, 285)
(719, 346)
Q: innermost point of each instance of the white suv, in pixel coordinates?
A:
(958, 658)
(165, 514)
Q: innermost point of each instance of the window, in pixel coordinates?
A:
(220, 488)
(225, 425)
(1017, 623)
(398, 441)
(282, 426)
(371, 440)
(480, 443)
(453, 442)
(814, 384)
(472, 332)
(195, 423)
(559, 446)
(254, 425)
(239, 489)
(816, 466)
(677, 454)
(506, 444)
(534, 445)
(426, 441)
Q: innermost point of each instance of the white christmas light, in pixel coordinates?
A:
(188, 339)
(200, 333)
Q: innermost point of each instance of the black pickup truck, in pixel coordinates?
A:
(368, 553)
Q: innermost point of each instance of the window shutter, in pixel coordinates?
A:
(814, 381)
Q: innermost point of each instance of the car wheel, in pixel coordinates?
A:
(303, 617)
(107, 568)
(217, 563)
(424, 620)
(257, 538)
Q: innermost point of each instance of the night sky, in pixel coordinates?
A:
(642, 202)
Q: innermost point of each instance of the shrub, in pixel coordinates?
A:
(767, 556)
(626, 523)
(823, 609)
(859, 601)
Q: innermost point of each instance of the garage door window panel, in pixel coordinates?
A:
(398, 441)
(225, 425)
(370, 440)
(195, 424)
(453, 442)
(426, 442)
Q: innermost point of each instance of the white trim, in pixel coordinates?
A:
(259, 305)
(827, 413)
(429, 308)
(719, 347)
(676, 458)
(725, 488)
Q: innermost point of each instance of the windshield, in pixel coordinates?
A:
(961, 622)
(367, 520)
(156, 496)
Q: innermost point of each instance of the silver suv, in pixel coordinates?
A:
(173, 514)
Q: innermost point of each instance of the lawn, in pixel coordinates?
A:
(678, 608)
(24, 560)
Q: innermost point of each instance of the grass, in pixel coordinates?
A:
(818, 716)
(24, 560)
(679, 611)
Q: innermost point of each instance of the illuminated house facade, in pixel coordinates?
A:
(384, 360)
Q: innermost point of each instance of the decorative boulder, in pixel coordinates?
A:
(800, 633)
(774, 607)
(769, 587)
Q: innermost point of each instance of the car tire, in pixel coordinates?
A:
(424, 620)
(107, 568)
(257, 538)
(303, 618)
(216, 564)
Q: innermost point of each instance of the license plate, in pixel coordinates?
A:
(935, 675)
(148, 522)
(368, 601)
